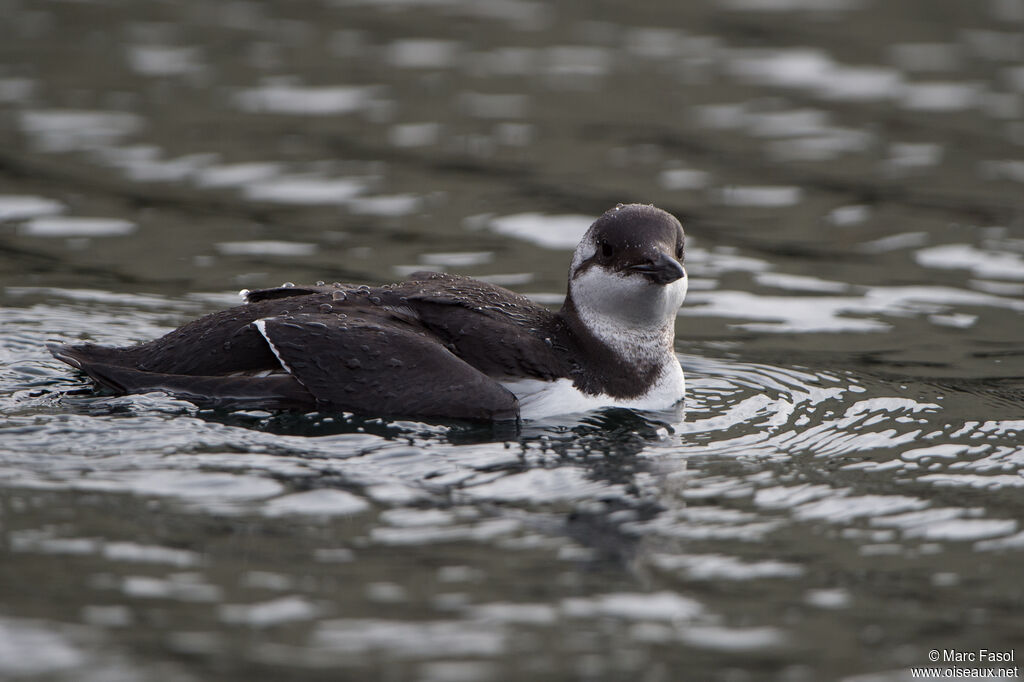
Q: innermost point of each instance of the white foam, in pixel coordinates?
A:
(414, 134)
(844, 508)
(385, 592)
(683, 179)
(413, 517)
(405, 639)
(827, 144)
(722, 567)
(926, 56)
(940, 96)
(281, 98)
(828, 313)
(31, 648)
(576, 61)
(817, 6)
(505, 612)
(814, 71)
(781, 497)
(834, 598)
(493, 106)
(64, 130)
(20, 207)
(186, 587)
(108, 616)
(16, 90)
(721, 260)
(978, 481)
(721, 638)
(895, 242)
(943, 451)
(267, 580)
(39, 543)
(269, 613)
(1002, 169)
(964, 529)
(640, 606)
(788, 123)
(785, 313)
(98, 296)
(548, 231)
(981, 263)
(761, 196)
(422, 53)
(320, 502)
(134, 552)
(457, 671)
(484, 531)
(458, 259)
(799, 283)
(266, 248)
(721, 116)
(196, 485)
(161, 60)
(539, 486)
(1011, 542)
(68, 226)
(909, 155)
(144, 164)
(311, 191)
(237, 174)
(845, 216)
(654, 42)
(393, 205)
(998, 288)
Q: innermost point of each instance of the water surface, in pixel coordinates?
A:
(839, 495)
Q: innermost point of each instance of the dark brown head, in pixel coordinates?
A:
(633, 238)
(628, 268)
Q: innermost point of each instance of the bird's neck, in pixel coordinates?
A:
(645, 347)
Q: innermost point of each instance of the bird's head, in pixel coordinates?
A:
(627, 271)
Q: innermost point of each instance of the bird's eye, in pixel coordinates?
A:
(607, 249)
(679, 253)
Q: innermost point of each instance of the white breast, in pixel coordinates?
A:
(539, 399)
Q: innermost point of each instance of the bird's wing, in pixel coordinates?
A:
(501, 333)
(275, 293)
(383, 367)
(275, 391)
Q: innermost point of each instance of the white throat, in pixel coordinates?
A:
(632, 316)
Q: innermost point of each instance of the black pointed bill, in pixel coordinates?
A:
(663, 270)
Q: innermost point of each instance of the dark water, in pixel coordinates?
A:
(841, 496)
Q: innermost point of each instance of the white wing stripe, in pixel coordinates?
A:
(261, 325)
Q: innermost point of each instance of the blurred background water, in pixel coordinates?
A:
(842, 494)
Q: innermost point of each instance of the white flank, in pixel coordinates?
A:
(541, 399)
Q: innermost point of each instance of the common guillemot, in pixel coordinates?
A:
(436, 345)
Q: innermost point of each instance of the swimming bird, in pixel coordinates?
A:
(436, 346)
